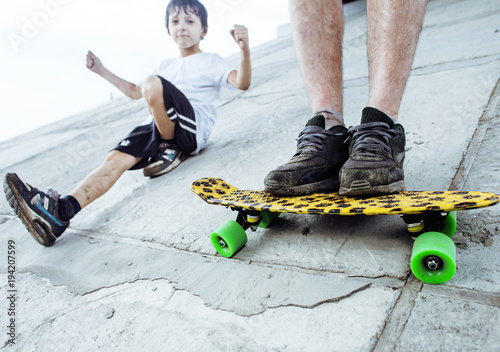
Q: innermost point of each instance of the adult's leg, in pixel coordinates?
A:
(377, 146)
(104, 177)
(393, 31)
(152, 90)
(318, 30)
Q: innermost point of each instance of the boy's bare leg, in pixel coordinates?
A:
(152, 90)
(318, 30)
(45, 214)
(104, 177)
(393, 31)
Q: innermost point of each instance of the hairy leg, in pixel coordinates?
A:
(152, 90)
(393, 31)
(318, 30)
(103, 178)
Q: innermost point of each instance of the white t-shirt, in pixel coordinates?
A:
(200, 77)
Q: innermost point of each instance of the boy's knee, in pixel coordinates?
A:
(152, 88)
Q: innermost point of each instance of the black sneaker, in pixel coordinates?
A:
(316, 164)
(376, 156)
(37, 210)
(169, 157)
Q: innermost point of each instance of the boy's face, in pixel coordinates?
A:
(185, 28)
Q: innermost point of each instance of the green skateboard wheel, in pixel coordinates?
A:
(450, 224)
(433, 258)
(229, 238)
(267, 218)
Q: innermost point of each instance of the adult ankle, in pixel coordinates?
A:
(371, 114)
(332, 118)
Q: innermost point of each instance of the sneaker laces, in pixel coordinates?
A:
(167, 150)
(371, 138)
(311, 140)
(52, 193)
(164, 146)
(39, 196)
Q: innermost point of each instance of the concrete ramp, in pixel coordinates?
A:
(136, 270)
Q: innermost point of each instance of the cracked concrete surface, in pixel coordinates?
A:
(153, 315)
(216, 280)
(136, 270)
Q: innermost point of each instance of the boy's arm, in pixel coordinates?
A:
(131, 90)
(242, 78)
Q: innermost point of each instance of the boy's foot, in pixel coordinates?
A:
(169, 157)
(376, 156)
(316, 164)
(37, 210)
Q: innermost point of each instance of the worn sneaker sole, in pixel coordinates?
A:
(37, 226)
(364, 188)
(328, 185)
(156, 169)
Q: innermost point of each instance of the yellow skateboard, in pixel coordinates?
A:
(430, 217)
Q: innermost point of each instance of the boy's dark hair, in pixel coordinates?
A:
(189, 6)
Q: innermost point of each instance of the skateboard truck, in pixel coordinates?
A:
(248, 218)
(416, 224)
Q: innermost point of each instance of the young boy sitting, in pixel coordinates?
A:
(182, 98)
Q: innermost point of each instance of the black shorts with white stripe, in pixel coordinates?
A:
(181, 112)
(144, 140)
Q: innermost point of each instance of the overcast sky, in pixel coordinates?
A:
(44, 44)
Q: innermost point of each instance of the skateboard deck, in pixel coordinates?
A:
(430, 217)
(217, 191)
